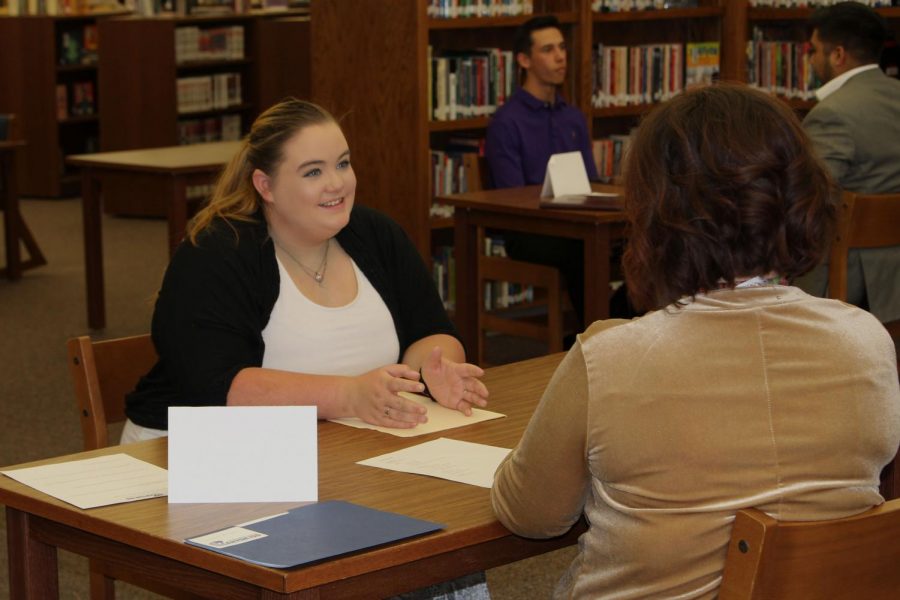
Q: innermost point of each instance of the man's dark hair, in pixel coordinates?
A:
(859, 29)
(522, 41)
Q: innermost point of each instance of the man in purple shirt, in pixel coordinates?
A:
(534, 123)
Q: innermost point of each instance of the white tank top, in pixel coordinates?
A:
(305, 337)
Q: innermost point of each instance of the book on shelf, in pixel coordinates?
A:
(633, 75)
(634, 5)
(208, 92)
(815, 3)
(780, 66)
(62, 101)
(209, 43)
(209, 129)
(460, 9)
(701, 63)
(444, 274)
(609, 155)
(469, 83)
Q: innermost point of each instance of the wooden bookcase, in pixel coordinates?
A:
(30, 70)
(373, 73)
(140, 71)
(783, 23)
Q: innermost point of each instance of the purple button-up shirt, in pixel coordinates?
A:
(523, 134)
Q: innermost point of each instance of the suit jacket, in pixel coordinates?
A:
(856, 131)
(660, 429)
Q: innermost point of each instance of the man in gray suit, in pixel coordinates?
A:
(855, 128)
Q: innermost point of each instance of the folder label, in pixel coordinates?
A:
(228, 537)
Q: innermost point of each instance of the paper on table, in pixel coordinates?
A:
(243, 454)
(566, 181)
(439, 419)
(464, 462)
(93, 482)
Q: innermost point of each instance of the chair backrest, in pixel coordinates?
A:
(477, 173)
(103, 373)
(850, 558)
(864, 221)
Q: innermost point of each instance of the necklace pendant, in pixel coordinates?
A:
(318, 277)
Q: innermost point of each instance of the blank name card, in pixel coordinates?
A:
(243, 454)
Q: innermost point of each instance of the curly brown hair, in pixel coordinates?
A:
(721, 182)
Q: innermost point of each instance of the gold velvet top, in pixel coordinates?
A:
(661, 428)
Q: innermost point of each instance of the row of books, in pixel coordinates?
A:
(16, 8)
(625, 75)
(631, 5)
(209, 43)
(448, 173)
(631, 75)
(469, 83)
(609, 155)
(208, 92)
(455, 9)
(443, 270)
(782, 67)
(75, 99)
(79, 46)
(816, 3)
(210, 129)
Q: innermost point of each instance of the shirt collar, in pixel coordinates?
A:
(536, 103)
(835, 84)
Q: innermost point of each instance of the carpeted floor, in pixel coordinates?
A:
(37, 407)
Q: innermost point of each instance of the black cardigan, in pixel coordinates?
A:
(217, 296)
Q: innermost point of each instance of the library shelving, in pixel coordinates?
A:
(191, 79)
(49, 75)
(373, 73)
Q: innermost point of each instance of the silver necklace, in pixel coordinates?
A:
(319, 274)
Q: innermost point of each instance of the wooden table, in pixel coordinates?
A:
(177, 167)
(14, 228)
(148, 536)
(518, 209)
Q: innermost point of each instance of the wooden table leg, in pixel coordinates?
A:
(177, 212)
(596, 274)
(467, 296)
(11, 219)
(93, 248)
(33, 570)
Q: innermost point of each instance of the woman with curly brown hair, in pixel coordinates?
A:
(736, 391)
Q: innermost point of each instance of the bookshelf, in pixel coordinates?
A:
(782, 24)
(49, 74)
(169, 89)
(372, 74)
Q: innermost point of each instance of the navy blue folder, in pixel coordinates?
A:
(322, 530)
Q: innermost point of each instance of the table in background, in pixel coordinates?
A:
(518, 209)
(14, 228)
(177, 166)
(147, 536)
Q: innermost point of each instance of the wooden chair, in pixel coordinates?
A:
(850, 558)
(103, 373)
(864, 221)
(546, 281)
(15, 227)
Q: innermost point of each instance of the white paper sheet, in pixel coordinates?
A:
(464, 462)
(439, 419)
(243, 454)
(97, 481)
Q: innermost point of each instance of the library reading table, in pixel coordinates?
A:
(177, 166)
(146, 537)
(518, 209)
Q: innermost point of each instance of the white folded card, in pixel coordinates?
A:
(243, 454)
(566, 181)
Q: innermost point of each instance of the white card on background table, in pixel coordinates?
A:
(440, 418)
(93, 482)
(243, 454)
(455, 460)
